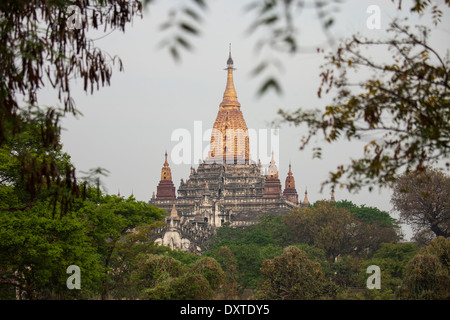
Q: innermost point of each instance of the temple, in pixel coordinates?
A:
(227, 187)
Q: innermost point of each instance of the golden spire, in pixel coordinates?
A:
(290, 182)
(229, 139)
(166, 164)
(229, 96)
(166, 173)
(306, 201)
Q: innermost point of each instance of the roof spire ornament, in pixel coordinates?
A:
(165, 189)
(306, 201)
(230, 95)
(273, 170)
(289, 187)
(230, 141)
(166, 164)
(230, 60)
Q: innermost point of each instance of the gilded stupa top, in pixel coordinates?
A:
(229, 96)
(290, 182)
(306, 201)
(229, 139)
(166, 173)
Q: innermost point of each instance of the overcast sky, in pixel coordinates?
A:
(127, 127)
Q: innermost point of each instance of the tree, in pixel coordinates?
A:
(52, 176)
(156, 268)
(427, 276)
(293, 276)
(187, 287)
(250, 246)
(168, 279)
(392, 258)
(46, 44)
(326, 227)
(402, 107)
(423, 200)
(367, 214)
(112, 222)
(376, 227)
(340, 232)
(36, 249)
(211, 270)
(224, 257)
(42, 231)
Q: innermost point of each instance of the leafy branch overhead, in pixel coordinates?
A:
(402, 108)
(39, 49)
(274, 24)
(183, 22)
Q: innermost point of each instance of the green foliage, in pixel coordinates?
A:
(210, 269)
(330, 226)
(155, 269)
(224, 257)
(366, 214)
(164, 278)
(402, 103)
(187, 287)
(270, 230)
(293, 276)
(37, 249)
(440, 247)
(37, 246)
(324, 226)
(427, 275)
(184, 257)
(392, 260)
(250, 246)
(345, 272)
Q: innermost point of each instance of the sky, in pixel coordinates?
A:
(127, 127)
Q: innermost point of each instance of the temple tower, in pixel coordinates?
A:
(272, 186)
(229, 138)
(305, 202)
(227, 187)
(166, 188)
(290, 192)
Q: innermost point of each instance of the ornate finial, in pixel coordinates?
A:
(306, 201)
(166, 173)
(230, 60)
(165, 162)
(273, 158)
(230, 96)
(273, 170)
(290, 181)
